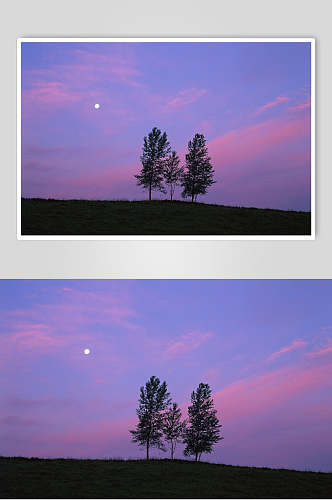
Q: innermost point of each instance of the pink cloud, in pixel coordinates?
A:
(326, 329)
(212, 375)
(238, 147)
(205, 127)
(49, 92)
(261, 394)
(45, 150)
(115, 66)
(88, 68)
(271, 104)
(75, 308)
(101, 438)
(109, 179)
(68, 325)
(183, 98)
(107, 307)
(43, 98)
(18, 420)
(321, 351)
(80, 82)
(97, 185)
(296, 344)
(35, 336)
(300, 106)
(186, 343)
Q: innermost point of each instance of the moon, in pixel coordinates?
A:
(86, 351)
(97, 106)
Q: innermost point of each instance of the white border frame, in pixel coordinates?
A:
(151, 237)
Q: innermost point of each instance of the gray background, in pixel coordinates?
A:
(201, 259)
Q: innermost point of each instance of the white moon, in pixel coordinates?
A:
(86, 351)
(97, 106)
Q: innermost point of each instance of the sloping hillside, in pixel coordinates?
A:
(71, 478)
(84, 217)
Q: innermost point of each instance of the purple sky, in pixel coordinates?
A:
(250, 100)
(264, 346)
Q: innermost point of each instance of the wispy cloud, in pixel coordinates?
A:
(186, 343)
(301, 106)
(73, 319)
(117, 67)
(327, 349)
(296, 344)
(46, 92)
(17, 420)
(278, 410)
(239, 146)
(109, 307)
(100, 438)
(271, 104)
(20, 404)
(83, 81)
(36, 336)
(259, 394)
(183, 98)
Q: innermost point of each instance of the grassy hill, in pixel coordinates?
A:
(71, 478)
(84, 217)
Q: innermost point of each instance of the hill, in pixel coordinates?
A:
(72, 478)
(85, 217)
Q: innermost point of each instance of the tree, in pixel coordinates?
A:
(172, 172)
(199, 171)
(203, 430)
(154, 399)
(155, 150)
(173, 427)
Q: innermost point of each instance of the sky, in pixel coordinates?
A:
(263, 346)
(251, 100)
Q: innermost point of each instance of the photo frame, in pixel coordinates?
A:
(310, 236)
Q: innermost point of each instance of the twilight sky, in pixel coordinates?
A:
(264, 346)
(250, 100)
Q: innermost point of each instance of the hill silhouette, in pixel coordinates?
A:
(86, 217)
(74, 478)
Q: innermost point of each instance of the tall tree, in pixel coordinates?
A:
(154, 399)
(203, 429)
(172, 172)
(173, 427)
(198, 175)
(155, 150)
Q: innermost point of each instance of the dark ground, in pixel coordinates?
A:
(72, 478)
(84, 217)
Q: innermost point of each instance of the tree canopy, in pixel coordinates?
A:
(155, 150)
(203, 429)
(198, 174)
(172, 172)
(173, 427)
(159, 420)
(154, 399)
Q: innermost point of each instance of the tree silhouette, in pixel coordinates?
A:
(154, 399)
(198, 175)
(155, 150)
(203, 429)
(172, 172)
(173, 427)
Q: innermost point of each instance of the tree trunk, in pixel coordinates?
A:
(150, 192)
(172, 451)
(192, 198)
(147, 451)
(196, 456)
(171, 195)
